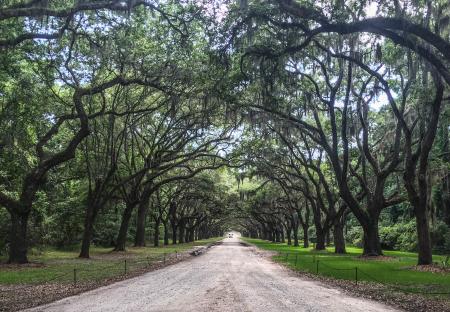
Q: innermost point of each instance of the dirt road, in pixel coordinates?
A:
(229, 277)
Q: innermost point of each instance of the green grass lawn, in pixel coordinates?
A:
(59, 265)
(396, 272)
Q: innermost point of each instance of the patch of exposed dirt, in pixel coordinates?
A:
(376, 258)
(17, 267)
(262, 253)
(433, 268)
(244, 244)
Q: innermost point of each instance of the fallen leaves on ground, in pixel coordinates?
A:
(385, 294)
(22, 296)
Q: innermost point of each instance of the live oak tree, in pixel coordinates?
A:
(118, 111)
(72, 70)
(287, 36)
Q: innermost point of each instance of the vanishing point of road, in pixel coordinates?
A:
(229, 277)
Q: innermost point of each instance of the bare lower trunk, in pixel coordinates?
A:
(295, 234)
(288, 234)
(89, 219)
(187, 236)
(294, 228)
(174, 234)
(446, 199)
(123, 231)
(418, 199)
(18, 246)
(320, 239)
(320, 232)
(305, 236)
(423, 235)
(338, 236)
(192, 235)
(156, 233)
(371, 241)
(139, 240)
(181, 233)
(327, 238)
(166, 233)
(419, 203)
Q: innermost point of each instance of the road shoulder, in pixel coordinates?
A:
(366, 290)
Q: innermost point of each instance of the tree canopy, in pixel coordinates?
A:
(277, 118)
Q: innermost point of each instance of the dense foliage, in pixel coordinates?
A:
(125, 120)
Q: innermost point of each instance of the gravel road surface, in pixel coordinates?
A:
(229, 277)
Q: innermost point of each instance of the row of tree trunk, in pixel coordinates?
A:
(277, 233)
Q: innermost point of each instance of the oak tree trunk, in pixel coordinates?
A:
(18, 238)
(288, 234)
(124, 224)
(425, 256)
(371, 240)
(156, 233)
(295, 234)
(174, 235)
(305, 236)
(89, 220)
(181, 232)
(139, 240)
(166, 233)
(320, 239)
(338, 236)
(192, 235)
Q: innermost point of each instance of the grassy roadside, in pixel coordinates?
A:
(396, 270)
(52, 265)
